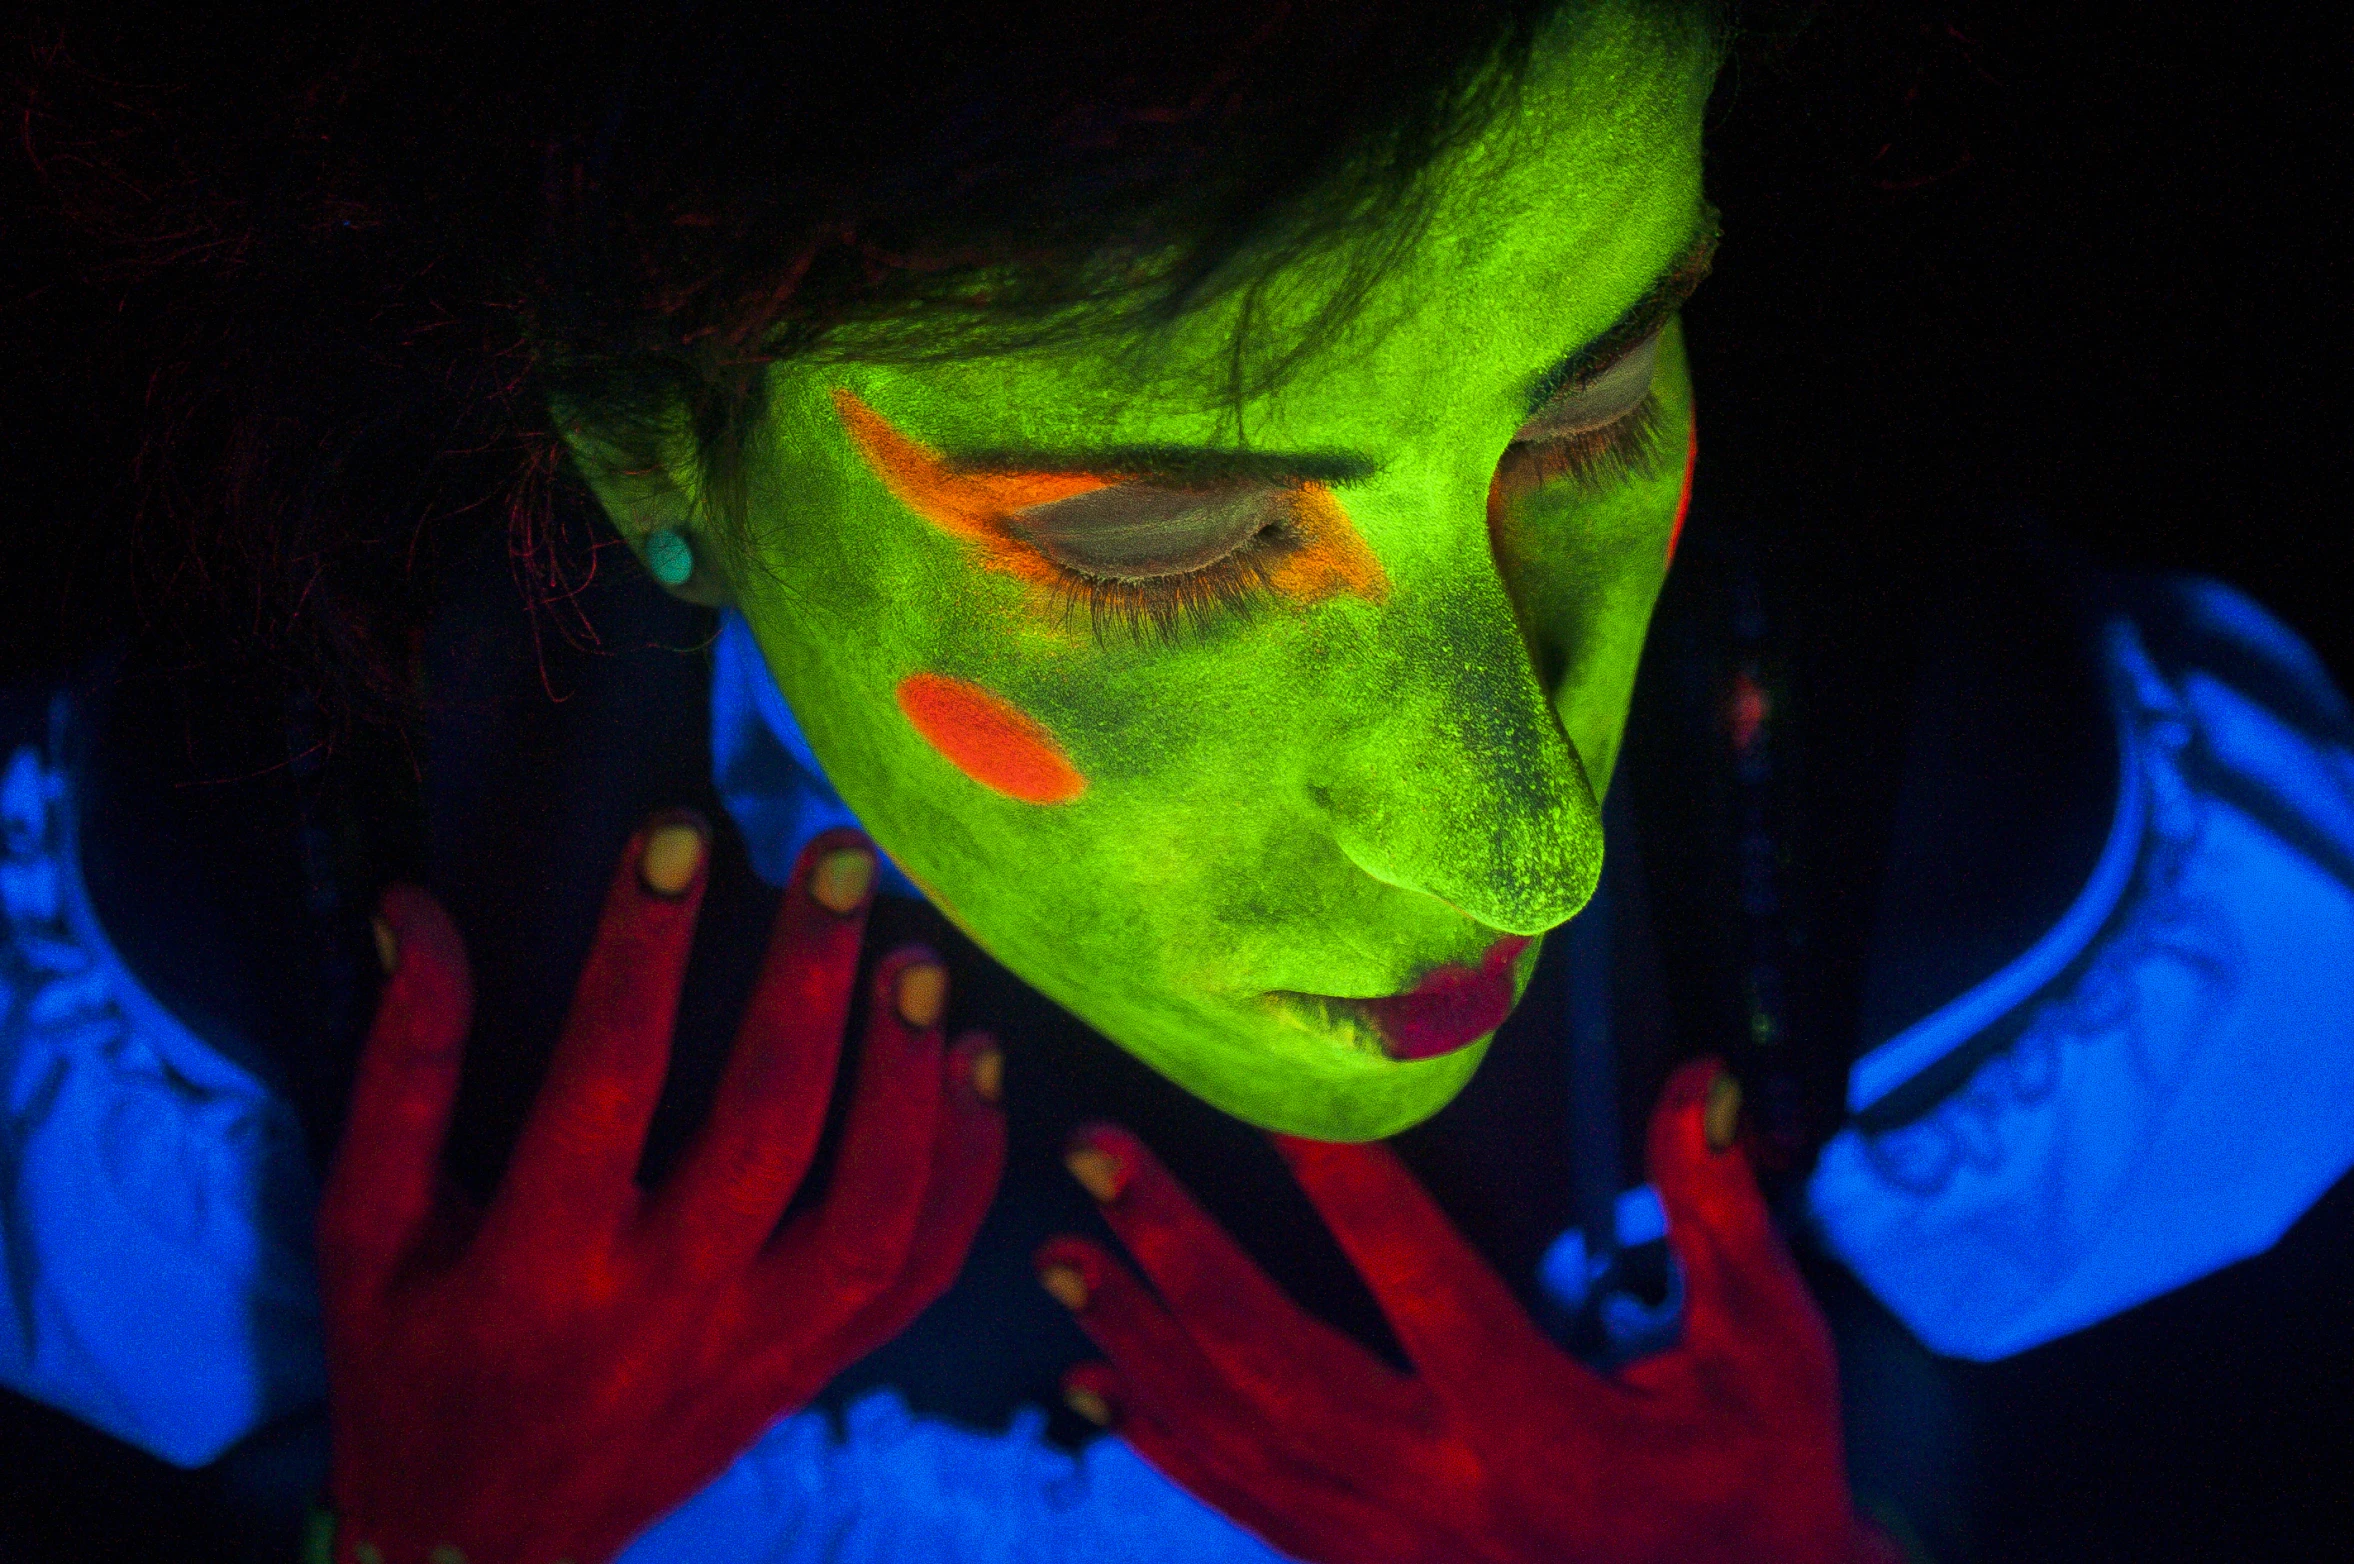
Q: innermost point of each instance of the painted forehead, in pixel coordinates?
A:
(1580, 203)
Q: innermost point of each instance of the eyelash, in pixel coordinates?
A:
(1162, 606)
(1593, 461)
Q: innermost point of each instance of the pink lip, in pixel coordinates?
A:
(1449, 1008)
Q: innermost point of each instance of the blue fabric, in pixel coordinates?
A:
(894, 1487)
(2175, 1057)
(155, 1202)
(762, 764)
(155, 1237)
(2161, 1092)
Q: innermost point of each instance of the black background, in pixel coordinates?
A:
(2078, 262)
(2064, 259)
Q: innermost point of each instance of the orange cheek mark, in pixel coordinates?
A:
(1675, 533)
(972, 507)
(989, 739)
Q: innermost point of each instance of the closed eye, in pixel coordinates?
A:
(1595, 435)
(1151, 558)
(1157, 556)
(1599, 402)
(1143, 531)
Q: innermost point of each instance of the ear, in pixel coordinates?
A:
(653, 508)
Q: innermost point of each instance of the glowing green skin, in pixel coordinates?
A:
(1329, 799)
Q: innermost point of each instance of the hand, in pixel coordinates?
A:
(539, 1380)
(1499, 1448)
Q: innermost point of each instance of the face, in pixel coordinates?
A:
(1270, 740)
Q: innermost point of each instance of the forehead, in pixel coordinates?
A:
(1540, 231)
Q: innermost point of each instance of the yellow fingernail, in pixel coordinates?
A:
(842, 878)
(1721, 1119)
(989, 1075)
(1067, 1285)
(388, 945)
(922, 993)
(1099, 1173)
(674, 851)
(1089, 1405)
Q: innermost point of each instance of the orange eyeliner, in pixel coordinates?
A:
(967, 506)
(1330, 560)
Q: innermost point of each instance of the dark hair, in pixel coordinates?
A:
(353, 253)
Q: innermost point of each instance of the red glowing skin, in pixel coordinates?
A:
(1675, 534)
(540, 1379)
(989, 739)
(1497, 1446)
(1449, 1009)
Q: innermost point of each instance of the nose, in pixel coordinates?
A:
(1464, 786)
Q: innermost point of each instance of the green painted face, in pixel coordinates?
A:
(1216, 752)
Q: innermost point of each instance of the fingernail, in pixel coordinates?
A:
(988, 1074)
(922, 993)
(1089, 1405)
(388, 945)
(1067, 1285)
(1099, 1172)
(674, 852)
(842, 879)
(1721, 1119)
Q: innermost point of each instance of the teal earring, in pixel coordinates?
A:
(669, 557)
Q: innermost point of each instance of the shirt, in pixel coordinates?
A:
(2066, 1138)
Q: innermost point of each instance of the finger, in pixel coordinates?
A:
(1294, 1369)
(1297, 1511)
(1743, 1295)
(722, 1203)
(1468, 1337)
(576, 1162)
(1168, 1376)
(968, 1155)
(387, 1169)
(826, 1268)
(1097, 1392)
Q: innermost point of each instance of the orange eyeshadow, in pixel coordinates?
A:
(971, 506)
(989, 739)
(1334, 560)
(966, 506)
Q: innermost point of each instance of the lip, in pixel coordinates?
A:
(1452, 1007)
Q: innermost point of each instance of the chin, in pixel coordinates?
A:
(1358, 1097)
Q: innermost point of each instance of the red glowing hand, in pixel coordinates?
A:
(1500, 1448)
(539, 1380)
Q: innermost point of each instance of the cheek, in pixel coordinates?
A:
(989, 739)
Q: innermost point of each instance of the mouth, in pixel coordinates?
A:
(1452, 1007)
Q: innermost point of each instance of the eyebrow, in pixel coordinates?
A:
(1191, 466)
(1179, 466)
